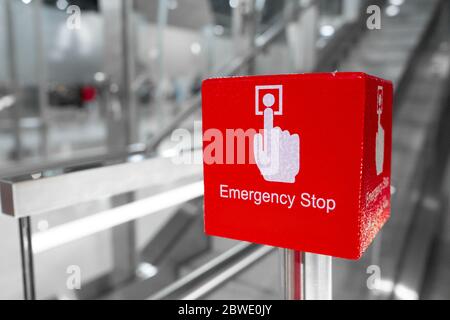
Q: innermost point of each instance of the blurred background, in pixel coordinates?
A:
(91, 91)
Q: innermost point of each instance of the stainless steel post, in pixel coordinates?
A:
(129, 72)
(41, 74)
(293, 275)
(246, 17)
(318, 281)
(26, 251)
(302, 34)
(306, 276)
(12, 64)
(122, 118)
(159, 76)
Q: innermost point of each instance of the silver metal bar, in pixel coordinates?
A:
(306, 276)
(302, 35)
(12, 65)
(292, 274)
(229, 274)
(26, 251)
(203, 271)
(129, 72)
(119, 67)
(123, 236)
(41, 74)
(318, 281)
(161, 110)
(25, 196)
(244, 27)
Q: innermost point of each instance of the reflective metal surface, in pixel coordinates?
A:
(293, 268)
(26, 251)
(87, 185)
(318, 277)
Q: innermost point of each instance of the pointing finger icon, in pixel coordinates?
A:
(276, 151)
(268, 119)
(268, 126)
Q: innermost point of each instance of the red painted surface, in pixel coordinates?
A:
(88, 93)
(335, 117)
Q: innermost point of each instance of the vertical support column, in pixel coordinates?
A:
(291, 15)
(318, 279)
(122, 119)
(445, 19)
(26, 251)
(161, 112)
(351, 10)
(129, 76)
(41, 74)
(208, 34)
(119, 66)
(113, 69)
(245, 20)
(124, 246)
(16, 109)
(293, 274)
(306, 276)
(236, 27)
(302, 35)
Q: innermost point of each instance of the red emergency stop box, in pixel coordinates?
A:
(300, 161)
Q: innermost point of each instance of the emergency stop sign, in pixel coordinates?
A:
(298, 161)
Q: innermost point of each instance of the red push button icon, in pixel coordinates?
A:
(301, 162)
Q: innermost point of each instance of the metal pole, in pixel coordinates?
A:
(122, 119)
(245, 19)
(293, 275)
(302, 34)
(124, 236)
(129, 72)
(26, 251)
(318, 281)
(41, 74)
(306, 276)
(16, 108)
(161, 112)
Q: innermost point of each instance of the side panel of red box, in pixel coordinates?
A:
(375, 192)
